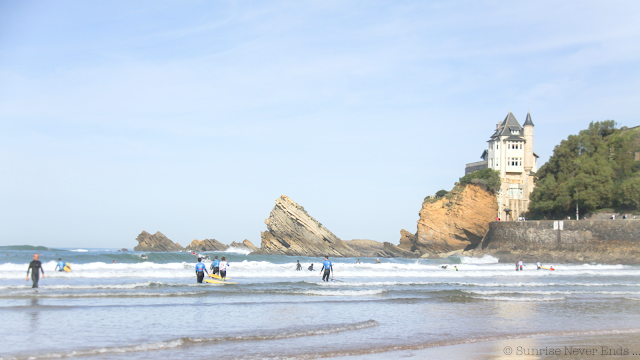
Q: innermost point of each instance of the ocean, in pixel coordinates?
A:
(153, 309)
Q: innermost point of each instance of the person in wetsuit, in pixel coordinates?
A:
(327, 267)
(60, 265)
(36, 267)
(298, 265)
(223, 268)
(200, 270)
(310, 268)
(215, 265)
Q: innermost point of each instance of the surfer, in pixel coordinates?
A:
(539, 265)
(223, 268)
(60, 265)
(36, 267)
(521, 264)
(215, 265)
(358, 262)
(517, 266)
(455, 267)
(298, 265)
(327, 267)
(310, 267)
(377, 261)
(444, 266)
(200, 270)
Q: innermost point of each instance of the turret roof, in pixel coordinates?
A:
(528, 120)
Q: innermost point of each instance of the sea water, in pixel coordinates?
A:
(152, 309)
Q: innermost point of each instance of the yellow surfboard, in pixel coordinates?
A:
(217, 276)
(218, 282)
(67, 267)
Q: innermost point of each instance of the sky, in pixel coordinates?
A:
(191, 118)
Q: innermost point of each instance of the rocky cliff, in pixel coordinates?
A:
(155, 242)
(366, 248)
(457, 221)
(245, 245)
(292, 231)
(206, 245)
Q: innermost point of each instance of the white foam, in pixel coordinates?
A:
(80, 250)
(520, 299)
(486, 259)
(235, 250)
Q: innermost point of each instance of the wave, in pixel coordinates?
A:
(342, 292)
(235, 250)
(519, 299)
(485, 259)
(550, 292)
(186, 341)
(80, 250)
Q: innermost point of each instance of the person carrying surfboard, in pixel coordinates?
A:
(60, 265)
(521, 264)
(200, 270)
(539, 265)
(223, 268)
(36, 267)
(215, 265)
(327, 266)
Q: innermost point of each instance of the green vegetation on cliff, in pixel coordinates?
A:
(596, 168)
(487, 177)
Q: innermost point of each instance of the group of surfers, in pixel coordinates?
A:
(218, 267)
(520, 264)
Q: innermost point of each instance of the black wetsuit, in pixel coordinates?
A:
(35, 266)
(310, 267)
(298, 267)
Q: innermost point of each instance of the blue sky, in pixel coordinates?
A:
(191, 118)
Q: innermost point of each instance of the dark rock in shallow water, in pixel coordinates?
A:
(206, 245)
(156, 242)
(123, 249)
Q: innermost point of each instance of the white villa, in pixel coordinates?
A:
(510, 151)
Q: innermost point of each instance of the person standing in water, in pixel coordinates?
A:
(215, 266)
(539, 265)
(298, 266)
(377, 261)
(521, 264)
(358, 262)
(200, 270)
(310, 268)
(223, 268)
(36, 267)
(328, 268)
(60, 265)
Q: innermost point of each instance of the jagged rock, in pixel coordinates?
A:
(366, 248)
(292, 231)
(155, 242)
(123, 249)
(206, 245)
(246, 244)
(456, 221)
(390, 250)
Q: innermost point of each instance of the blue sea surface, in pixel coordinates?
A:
(150, 309)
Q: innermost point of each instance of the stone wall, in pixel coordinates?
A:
(603, 241)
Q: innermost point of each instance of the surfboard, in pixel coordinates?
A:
(217, 276)
(542, 267)
(218, 282)
(67, 268)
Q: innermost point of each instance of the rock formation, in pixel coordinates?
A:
(245, 245)
(456, 221)
(292, 231)
(391, 250)
(366, 248)
(155, 242)
(206, 245)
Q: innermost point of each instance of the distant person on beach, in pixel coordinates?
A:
(200, 270)
(36, 267)
(539, 265)
(455, 267)
(517, 266)
(521, 264)
(223, 268)
(377, 261)
(310, 267)
(215, 265)
(327, 267)
(298, 265)
(358, 262)
(60, 265)
(114, 261)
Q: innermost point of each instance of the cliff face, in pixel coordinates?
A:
(454, 222)
(155, 242)
(206, 245)
(366, 248)
(292, 231)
